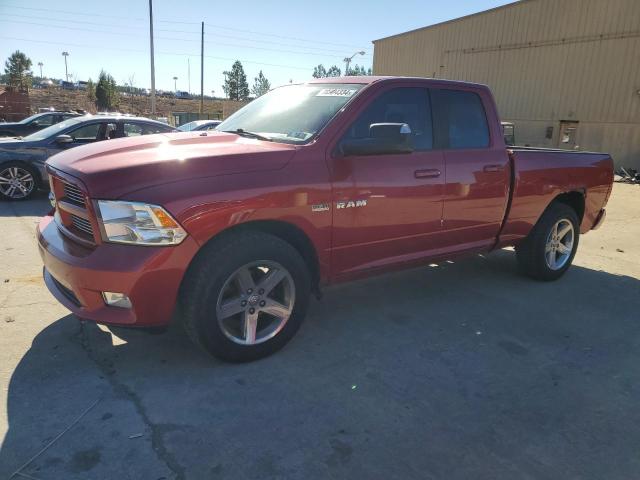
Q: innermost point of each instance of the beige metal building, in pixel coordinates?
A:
(565, 72)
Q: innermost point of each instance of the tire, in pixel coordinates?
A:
(543, 256)
(217, 285)
(27, 177)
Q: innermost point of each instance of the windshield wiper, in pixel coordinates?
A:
(244, 133)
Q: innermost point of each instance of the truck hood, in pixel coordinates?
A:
(113, 168)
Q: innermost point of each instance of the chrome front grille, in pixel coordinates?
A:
(73, 194)
(82, 224)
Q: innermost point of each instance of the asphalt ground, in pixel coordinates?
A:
(456, 371)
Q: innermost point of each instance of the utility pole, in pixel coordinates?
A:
(202, 70)
(189, 74)
(40, 65)
(153, 69)
(175, 84)
(347, 62)
(66, 73)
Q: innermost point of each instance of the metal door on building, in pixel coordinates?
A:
(568, 137)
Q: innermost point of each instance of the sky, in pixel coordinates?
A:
(284, 39)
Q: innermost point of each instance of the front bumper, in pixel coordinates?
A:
(149, 276)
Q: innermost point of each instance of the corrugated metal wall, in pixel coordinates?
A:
(546, 61)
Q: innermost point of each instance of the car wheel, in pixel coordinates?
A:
(245, 296)
(548, 251)
(17, 181)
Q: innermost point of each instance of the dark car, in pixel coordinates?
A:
(34, 123)
(199, 125)
(22, 169)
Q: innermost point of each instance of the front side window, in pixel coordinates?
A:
(292, 114)
(86, 133)
(460, 119)
(400, 105)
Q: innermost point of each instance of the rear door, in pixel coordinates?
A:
(388, 207)
(476, 167)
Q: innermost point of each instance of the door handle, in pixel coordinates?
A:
(428, 173)
(493, 168)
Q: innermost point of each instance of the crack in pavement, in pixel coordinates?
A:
(157, 431)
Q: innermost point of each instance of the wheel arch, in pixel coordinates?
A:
(574, 199)
(287, 231)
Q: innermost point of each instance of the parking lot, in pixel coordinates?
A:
(460, 370)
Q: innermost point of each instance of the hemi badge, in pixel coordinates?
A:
(320, 207)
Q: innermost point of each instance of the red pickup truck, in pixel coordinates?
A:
(231, 231)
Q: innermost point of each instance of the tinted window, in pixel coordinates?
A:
(400, 105)
(460, 119)
(149, 129)
(132, 130)
(86, 133)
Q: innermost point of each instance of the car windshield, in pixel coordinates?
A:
(31, 118)
(52, 130)
(187, 127)
(291, 114)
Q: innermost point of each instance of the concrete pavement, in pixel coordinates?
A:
(464, 370)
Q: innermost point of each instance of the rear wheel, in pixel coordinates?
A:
(245, 297)
(17, 181)
(548, 251)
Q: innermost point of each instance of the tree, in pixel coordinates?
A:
(321, 72)
(358, 70)
(334, 71)
(260, 85)
(106, 92)
(17, 68)
(235, 83)
(91, 91)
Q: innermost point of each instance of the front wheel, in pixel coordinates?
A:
(548, 251)
(17, 181)
(245, 297)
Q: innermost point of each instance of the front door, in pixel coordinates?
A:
(388, 208)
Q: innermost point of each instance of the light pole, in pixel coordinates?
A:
(66, 73)
(347, 62)
(175, 87)
(40, 64)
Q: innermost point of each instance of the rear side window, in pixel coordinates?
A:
(460, 119)
(400, 105)
(151, 129)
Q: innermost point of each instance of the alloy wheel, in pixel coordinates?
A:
(16, 183)
(559, 244)
(255, 302)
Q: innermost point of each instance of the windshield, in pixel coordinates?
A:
(31, 118)
(291, 114)
(187, 127)
(52, 130)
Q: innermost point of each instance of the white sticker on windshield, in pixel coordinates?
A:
(335, 92)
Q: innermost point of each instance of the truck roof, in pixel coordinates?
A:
(366, 80)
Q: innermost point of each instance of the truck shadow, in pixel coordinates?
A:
(464, 370)
(37, 206)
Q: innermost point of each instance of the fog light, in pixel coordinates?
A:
(114, 299)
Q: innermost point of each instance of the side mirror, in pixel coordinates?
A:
(62, 139)
(384, 138)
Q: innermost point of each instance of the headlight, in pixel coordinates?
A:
(139, 224)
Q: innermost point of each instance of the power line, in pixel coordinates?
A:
(160, 53)
(253, 32)
(215, 35)
(324, 55)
